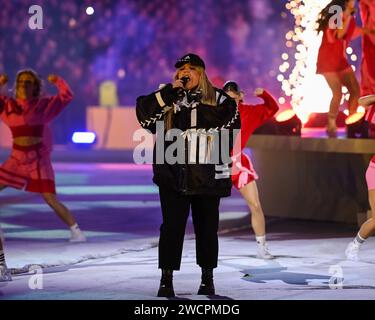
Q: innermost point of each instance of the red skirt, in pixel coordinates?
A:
(29, 168)
(243, 172)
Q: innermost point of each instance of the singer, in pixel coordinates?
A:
(192, 105)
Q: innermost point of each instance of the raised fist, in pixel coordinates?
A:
(52, 78)
(258, 92)
(3, 79)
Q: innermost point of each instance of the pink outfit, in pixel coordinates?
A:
(30, 167)
(370, 173)
(251, 118)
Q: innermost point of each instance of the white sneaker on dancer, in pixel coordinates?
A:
(77, 236)
(5, 274)
(351, 251)
(263, 252)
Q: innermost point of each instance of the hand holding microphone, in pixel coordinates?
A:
(181, 83)
(174, 92)
(179, 86)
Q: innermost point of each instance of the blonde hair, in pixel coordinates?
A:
(206, 88)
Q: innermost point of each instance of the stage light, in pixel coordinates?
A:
(281, 100)
(84, 138)
(356, 126)
(288, 124)
(121, 73)
(267, 128)
(90, 11)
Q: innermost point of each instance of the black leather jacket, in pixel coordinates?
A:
(206, 165)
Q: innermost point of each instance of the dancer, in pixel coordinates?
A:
(332, 62)
(29, 165)
(244, 180)
(192, 105)
(368, 228)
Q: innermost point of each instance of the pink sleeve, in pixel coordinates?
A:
(57, 103)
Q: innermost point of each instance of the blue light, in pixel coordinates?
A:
(83, 137)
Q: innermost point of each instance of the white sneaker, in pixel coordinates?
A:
(77, 236)
(263, 252)
(351, 251)
(5, 274)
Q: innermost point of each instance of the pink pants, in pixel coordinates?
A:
(370, 176)
(29, 168)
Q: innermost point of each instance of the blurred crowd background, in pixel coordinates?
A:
(136, 43)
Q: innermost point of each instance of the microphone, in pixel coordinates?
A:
(180, 92)
(185, 80)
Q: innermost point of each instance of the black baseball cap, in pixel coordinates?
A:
(191, 58)
(231, 86)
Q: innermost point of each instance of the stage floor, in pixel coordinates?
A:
(320, 133)
(118, 208)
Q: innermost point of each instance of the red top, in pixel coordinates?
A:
(30, 117)
(332, 51)
(253, 116)
(27, 131)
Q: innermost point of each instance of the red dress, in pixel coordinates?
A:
(251, 118)
(332, 51)
(30, 167)
(368, 48)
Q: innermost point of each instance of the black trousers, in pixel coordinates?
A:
(175, 209)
